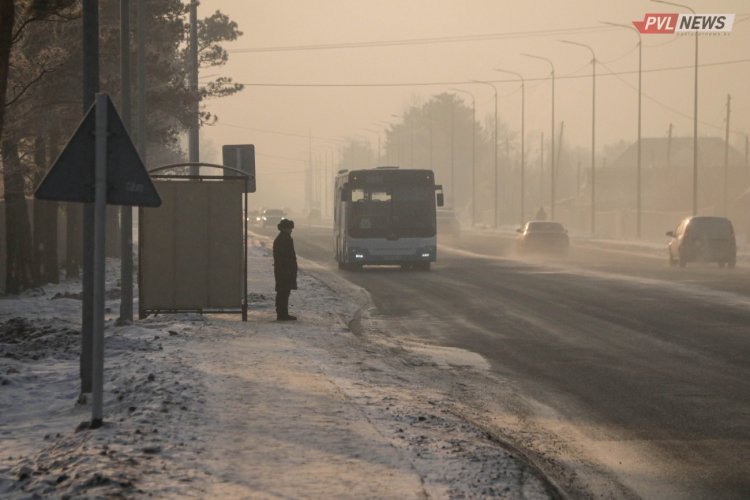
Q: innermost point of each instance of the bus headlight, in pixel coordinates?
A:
(426, 254)
(359, 256)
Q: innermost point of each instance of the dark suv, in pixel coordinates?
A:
(703, 239)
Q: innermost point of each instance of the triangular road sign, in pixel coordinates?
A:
(71, 177)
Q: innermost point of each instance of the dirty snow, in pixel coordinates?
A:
(210, 406)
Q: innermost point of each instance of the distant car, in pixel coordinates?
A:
(542, 237)
(271, 217)
(703, 239)
(447, 223)
(253, 216)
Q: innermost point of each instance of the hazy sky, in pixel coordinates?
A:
(277, 117)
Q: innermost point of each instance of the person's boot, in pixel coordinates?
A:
(286, 317)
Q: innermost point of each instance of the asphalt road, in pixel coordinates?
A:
(635, 376)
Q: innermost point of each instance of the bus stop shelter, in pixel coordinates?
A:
(192, 250)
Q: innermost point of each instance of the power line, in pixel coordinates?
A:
(288, 134)
(426, 41)
(466, 82)
(659, 103)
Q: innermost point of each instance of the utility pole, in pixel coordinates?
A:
(593, 131)
(541, 171)
(126, 212)
(726, 159)
(141, 56)
(639, 183)
(669, 146)
(90, 15)
(552, 136)
(473, 156)
(559, 144)
(695, 109)
(193, 137)
(523, 136)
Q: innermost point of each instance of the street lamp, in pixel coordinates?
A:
(523, 134)
(385, 125)
(695, 112)
(411, 139)
(593, 131)
(638, 216)
(552, 135)
(473, 159)
(497, 194)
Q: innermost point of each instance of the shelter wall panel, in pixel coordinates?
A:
(158, 250)
(224, 280)
(191, 241)
(192, 255)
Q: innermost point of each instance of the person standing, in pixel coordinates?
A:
(284, 269)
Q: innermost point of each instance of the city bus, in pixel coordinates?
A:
(386, 216)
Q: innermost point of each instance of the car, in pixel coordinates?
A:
(271, 217)
(253, 216)
(542, 237)
(447, 223)
(703, 239)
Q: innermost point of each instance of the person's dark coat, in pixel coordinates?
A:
(284, 262)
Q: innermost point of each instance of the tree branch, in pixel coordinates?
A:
(26, 86)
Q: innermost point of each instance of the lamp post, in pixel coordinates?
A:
(638, 213)
(523, 137)
(376, 132)
(552, 135)
(695, 112)
(494, 159)
(385, 125)
(400, 138)
(473, 159)
(593, 131)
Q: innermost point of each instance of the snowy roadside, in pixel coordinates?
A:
(214, 407)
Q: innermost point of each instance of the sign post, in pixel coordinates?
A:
(241, 157)
(100, 217)
(99, 165)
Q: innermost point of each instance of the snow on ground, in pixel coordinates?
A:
(210, 406)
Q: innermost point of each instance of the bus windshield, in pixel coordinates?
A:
(392, 211)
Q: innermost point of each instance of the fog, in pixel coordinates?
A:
(322, 75)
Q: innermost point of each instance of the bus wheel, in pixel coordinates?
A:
(423, 266)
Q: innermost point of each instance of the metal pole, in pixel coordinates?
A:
(100, 214)
(552, 150)
(552, 136)
(523, 134)
(695, 111)
(593, 131)
(126, 212)
(90, 16)
(726, 159)
(695, 130)
(193, 137)
(141, 56)
(593, 143)
(639, 183)
(453, 160)
(541, 172)
(473, 155)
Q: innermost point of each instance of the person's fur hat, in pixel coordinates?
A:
(285, 224)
